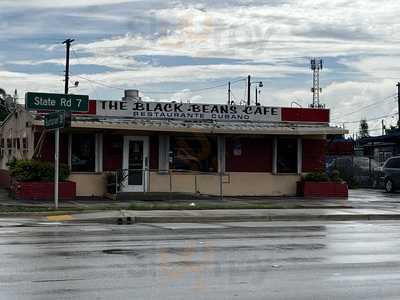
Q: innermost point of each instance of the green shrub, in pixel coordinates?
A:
(335, 176)
(36, 170)
(316, 177)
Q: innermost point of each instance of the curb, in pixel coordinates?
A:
(149, 220)
(364, 217)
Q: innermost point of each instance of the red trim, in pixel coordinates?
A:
(290, 114)
(92, 109)
(112, 152)
(314, 155)
(310, 189)
(255, 154)
(43, 190)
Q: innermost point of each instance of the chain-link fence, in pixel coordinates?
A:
(357, 171)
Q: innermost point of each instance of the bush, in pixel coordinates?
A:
(35, 170)
(316, 177)
(335, 176)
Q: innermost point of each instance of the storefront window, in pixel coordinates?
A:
(194, 153)
(83, 153)
(287, 156)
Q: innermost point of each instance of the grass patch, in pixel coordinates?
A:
(42, 209)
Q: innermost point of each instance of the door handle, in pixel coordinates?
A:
(146, 162)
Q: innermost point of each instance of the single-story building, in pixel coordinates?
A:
(177, 147)
(380, 148)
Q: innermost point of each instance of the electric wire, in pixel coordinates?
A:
(365, 107)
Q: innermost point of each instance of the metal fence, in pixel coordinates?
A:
(164, 181)
(357, 171)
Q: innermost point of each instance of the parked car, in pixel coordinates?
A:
(391, 170)
(357, 171)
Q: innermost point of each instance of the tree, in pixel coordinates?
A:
(363, 129)
(7, 103)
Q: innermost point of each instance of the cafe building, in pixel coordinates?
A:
(163, 147)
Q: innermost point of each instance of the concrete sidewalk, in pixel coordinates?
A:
(230, 215)
(361, 205)
(361, 198)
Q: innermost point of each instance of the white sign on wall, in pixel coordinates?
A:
(187, 111)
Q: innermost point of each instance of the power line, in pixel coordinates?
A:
(96, 81)
(367, 106)
(100, 83)
(189, 90)
(372, 119)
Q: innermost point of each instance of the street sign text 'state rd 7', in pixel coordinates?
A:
(46, 101)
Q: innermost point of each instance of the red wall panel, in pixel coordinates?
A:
(153, 164)
(341, 148)
(256, 155)
(314, 155)
(290, 114)
(47, 151)
(112, 152)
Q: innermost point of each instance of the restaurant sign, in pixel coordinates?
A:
(187, 111)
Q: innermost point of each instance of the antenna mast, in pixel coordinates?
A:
(316, 67)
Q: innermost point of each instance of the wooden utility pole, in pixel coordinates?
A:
(67, 49)
(57, 131)
(229, 93)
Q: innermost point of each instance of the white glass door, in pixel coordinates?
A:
(136, 158)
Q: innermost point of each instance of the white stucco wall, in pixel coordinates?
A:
(17, 126)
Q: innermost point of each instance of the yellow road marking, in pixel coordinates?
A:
(60, 218)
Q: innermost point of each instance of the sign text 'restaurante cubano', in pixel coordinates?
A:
(187, 111)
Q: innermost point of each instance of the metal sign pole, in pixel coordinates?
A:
(56, 166)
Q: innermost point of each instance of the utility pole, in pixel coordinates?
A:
(67, 49)
(398, 104)
(248, 90)
(57, 131)
(229, 93)
(256, 96)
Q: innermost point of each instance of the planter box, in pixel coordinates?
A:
(309, 189)
(38, 190)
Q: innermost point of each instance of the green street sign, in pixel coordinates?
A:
(46, 101)
(59, 119)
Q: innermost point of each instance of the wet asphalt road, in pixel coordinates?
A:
(278, 260)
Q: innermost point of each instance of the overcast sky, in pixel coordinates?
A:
(175, 50)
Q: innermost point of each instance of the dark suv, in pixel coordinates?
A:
(391, 170)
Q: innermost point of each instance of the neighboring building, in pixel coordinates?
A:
(380, 148)
(179, 147)
(339, 146)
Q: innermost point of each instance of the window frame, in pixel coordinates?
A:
(299, 155)
(213, 162)
(94, 154)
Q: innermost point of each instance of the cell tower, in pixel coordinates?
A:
(316, 67)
